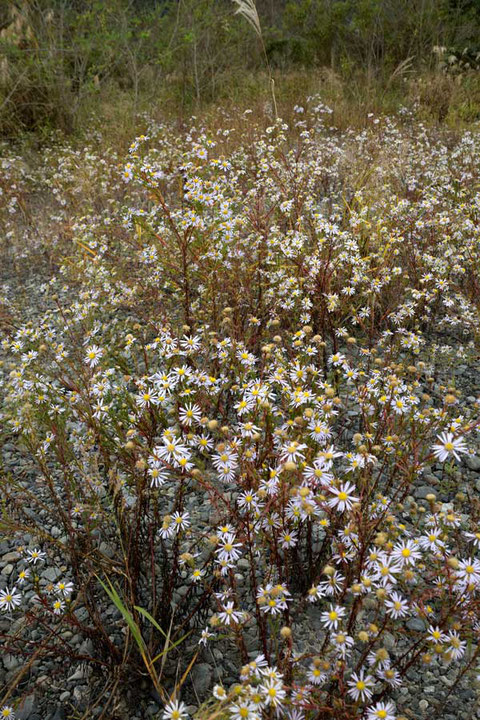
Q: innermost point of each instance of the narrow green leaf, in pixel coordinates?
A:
(146, 614)
(115, 598)
(170, 647)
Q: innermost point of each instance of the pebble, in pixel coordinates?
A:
(202, 678)
(448, 681)
(10, 662)
(10, 557)
(473, 462)
(80, 695)
(424, 490)
(25, 710)
(416, 624)
(388, 640)
(86, 647)
(152, 710)
(107, 549)
(79, 674)
(51, 574)
(59, 714)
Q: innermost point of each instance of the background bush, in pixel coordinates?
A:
(63, 59)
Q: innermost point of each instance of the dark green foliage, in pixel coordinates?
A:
(59, 57)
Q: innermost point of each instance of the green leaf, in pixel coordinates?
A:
(170, 647)
(115, 598)
(146, 614)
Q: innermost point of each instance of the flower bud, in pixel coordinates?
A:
(380, 539)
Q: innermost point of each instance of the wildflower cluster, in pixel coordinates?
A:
(235, 410)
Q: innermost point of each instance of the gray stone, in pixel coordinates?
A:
(10, 662)
(79, 674)
(81, 613)
(65, 696)
(466, 694)
(86, 648)
(423, 704)
(202, 678)
(80, 695)
(25, 711)
(388, 641)
(424, 490)
(152, 710)
(473, 462)
(11, 557)
(416, 624)
(51, 574)
(43, 680)
(107, 549)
